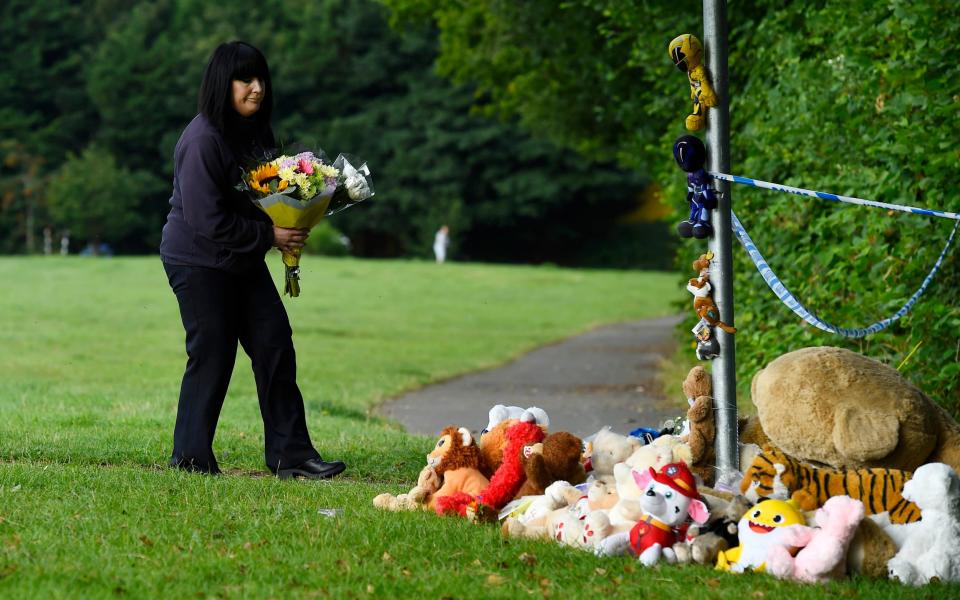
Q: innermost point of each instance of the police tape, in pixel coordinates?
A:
(834, 197)
(781, 291)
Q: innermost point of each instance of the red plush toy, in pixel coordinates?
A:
(505, 482)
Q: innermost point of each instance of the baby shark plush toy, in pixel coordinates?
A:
(759, 530)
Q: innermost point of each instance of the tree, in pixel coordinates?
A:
(854, 97)
(44, 112)
(505, 194)
(96, 199)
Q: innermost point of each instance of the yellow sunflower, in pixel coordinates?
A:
(261, 177)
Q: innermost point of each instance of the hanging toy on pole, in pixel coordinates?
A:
(687, 54)
(708, 348)
(690, 154)
(706, 309)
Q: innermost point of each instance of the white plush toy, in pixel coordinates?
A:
(578, 520)
(501, 412)
(928, 548)
(531, 508)
(628, 509)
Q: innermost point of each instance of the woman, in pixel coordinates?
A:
(213, 250)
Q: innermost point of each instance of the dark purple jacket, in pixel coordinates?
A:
(211, 224)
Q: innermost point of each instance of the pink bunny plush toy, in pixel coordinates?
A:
(823, 554)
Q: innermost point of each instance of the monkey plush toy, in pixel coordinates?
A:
(700, 287)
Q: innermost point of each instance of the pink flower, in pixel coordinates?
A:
(306, 166)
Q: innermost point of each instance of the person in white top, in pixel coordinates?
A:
(440, 243)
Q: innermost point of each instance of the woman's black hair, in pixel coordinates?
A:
(236, 60)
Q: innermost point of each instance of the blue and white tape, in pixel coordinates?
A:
(834, 197)
(793, 304)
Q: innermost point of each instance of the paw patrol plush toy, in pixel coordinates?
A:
(669, 498)
(687, 53)
(691, 154)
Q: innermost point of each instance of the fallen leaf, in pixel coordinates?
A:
(386, 557)
(713, 582)
(146, 541)
(545, 582)
(247, 546)
(495, 579)
(406, 572)
(15, 488)
(601, 571)
(757, 594)
(528, 559)
(477, 562)
(629, 568)
(370, 588)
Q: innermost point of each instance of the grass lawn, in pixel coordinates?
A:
(91, 354)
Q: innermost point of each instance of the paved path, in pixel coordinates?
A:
(602, 377)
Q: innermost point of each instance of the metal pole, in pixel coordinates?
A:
(721, 275)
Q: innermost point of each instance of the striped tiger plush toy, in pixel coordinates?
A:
(773, 474)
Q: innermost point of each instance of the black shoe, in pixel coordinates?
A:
(702, 231)
(185, 464)
(315, 468)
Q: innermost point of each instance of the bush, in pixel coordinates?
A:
(326, 240)
(96, 199)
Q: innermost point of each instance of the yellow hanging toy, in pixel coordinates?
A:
(687, 53)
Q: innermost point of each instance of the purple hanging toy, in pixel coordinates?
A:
(690, 154)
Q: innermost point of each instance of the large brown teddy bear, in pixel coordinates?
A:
(836, 407)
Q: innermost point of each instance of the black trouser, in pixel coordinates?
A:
(218, 310)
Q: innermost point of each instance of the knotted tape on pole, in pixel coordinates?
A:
(785, 296)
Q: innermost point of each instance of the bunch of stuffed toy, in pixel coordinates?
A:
(848, 469)
(516, 457)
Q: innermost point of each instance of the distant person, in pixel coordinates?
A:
(440, 243)
(65, 243)
(101, 249)
(213, 248)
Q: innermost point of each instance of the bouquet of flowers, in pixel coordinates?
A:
(297, 191)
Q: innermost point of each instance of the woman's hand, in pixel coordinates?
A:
(289, 240)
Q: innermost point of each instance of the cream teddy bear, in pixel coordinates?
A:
(664, 450)
(605, 449)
